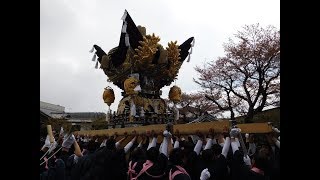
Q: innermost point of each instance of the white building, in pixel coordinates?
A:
(51, 109)
(83, 119)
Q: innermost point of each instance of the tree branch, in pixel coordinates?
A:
(216, 102)
(244, 83)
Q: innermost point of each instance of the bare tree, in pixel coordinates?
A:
(249, 74)
(196, 104)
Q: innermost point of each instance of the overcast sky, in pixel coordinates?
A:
(69, 28)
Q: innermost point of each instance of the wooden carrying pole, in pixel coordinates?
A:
(49, 130)
(204, 127)
(121, 131)
(184, 129)
(255, 128)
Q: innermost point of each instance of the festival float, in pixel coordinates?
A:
(141, 67)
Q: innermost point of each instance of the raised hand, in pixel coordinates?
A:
(205, 174)
(234, 132)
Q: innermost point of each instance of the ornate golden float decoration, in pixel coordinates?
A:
(140, 59)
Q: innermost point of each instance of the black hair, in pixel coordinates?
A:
(111, 144)
(261, 160)
(91, 146)
(176, 156)
(187, 147)
(216, 149)
(152, 154)
(207, 155)
(138, 154)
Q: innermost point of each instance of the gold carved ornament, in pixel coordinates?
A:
(129, 85)
(173, 59)
(145, 53)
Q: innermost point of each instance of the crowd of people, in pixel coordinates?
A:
(218, 156)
